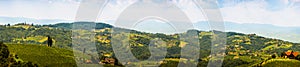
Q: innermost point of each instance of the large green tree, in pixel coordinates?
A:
(4, 54)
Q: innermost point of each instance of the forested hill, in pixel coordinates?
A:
(70, 25)
(248, 49)
(36, 34)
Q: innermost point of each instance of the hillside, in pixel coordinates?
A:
(266, 30)
(70, 25)
(43, 55)
(246, 49)
(282, 63)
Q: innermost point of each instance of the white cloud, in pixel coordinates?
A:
(257, 12)
(112, 10)
(252, 11)
(44, 9)
(247, 11)
(115, 8)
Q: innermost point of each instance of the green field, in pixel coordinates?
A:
(282, 63)
(44, 56)
(242, 50)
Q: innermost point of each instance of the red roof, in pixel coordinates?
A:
(288, 53)
(295, 53)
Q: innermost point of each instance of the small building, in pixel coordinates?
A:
(290, 54)
(109, 61)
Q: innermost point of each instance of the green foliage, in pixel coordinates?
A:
(4, 54)
(169, 64)
(43, 55)
(242, 49)
(234, 62)
(70, 25)
(7, 59)
(282, 63)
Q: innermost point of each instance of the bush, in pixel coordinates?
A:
(4, 54)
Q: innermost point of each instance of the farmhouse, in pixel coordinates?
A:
(290, 54)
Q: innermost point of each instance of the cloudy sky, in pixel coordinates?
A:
(276, 12)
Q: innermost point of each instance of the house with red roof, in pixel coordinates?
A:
(290, 54)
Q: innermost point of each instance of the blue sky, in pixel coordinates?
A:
(276, 12)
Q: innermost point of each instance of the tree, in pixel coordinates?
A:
(273, 56)
(50, 41)
(7, 59)
(4, 54)
(83, 50)
(283, 54)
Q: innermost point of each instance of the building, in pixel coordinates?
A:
(290, 54)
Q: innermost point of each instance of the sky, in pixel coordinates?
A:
(276, 12)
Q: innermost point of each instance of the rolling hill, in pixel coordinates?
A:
(247, 49)
(282, 63)
(267, 30)
(43, 55)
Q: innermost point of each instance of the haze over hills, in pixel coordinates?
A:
(267, 30)
(285, 33)
(15, 20)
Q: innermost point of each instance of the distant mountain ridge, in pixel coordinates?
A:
(15, 20)
(70, 25)
(285, 33)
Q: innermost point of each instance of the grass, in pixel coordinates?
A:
(57, 57)
(274, 47)
(40, 39)
(281, 63)
(44, 56)
(23, 26)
